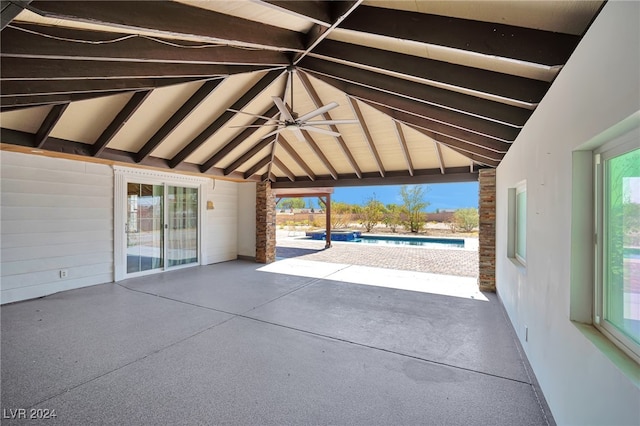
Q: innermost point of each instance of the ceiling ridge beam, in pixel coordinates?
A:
(340, 10)
(487, 38)
(306, 83)
(295, 156)
(63, 69)
(17, 88)
(492, 83)
(120, 120)
(246, 156)
(239, 139)
(367, 134)
(455, 101)
(18, 43)
(50, 121)
(403, 145)
(161, 18)
(227, 115)
(256, 167)
(178, 117)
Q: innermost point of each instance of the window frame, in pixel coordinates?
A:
(601, 156)
(520, 230)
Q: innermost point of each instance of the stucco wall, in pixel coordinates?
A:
(599, 87)
(247, 219)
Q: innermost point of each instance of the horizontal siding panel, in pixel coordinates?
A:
(51, 238)
(54, 213)
(38, 226)
(43, 277)
(47, 200)
(54, 164)
(58, 176)
(57, 250)
(36, 187)
(55, 263)
(31, 292)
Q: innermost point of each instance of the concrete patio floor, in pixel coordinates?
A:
(294, 342)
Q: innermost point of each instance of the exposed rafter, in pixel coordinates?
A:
(280, 165)
(258, 166)
(403, 145)
(367, 134)
(248, 155)
(49, 123)
(11, 9)
(295, 156)
(436, 146)
(316, 149)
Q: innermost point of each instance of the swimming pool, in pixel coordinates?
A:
(431, 242)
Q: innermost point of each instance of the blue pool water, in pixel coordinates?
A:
(430, 242)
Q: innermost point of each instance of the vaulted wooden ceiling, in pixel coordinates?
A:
(439, 89)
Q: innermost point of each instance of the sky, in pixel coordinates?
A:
(440, 196)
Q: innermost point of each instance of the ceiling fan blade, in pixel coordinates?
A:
(251, 125)
(319, 130)
(253, 115)
(321, 110)
(298, 133)
(283, 108)
(275, 132)
(330, 122)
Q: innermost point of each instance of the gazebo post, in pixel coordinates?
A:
(328, 221)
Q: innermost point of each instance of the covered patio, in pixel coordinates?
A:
(243, 343)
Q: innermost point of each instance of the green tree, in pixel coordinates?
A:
(466, 219)
(371, 213)
(340, 214)
(392, 216)
(292, 203)
(413, 206)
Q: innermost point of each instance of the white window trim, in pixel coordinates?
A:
(613, 148)
(520, 188)
(512, 225)
(123, 175)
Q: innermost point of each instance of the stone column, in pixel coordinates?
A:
(265, 223)
(487, 234)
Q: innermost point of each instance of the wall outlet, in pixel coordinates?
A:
(64, 273)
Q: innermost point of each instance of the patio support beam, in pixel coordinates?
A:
(487, 230)
(367, 135)
(20, 102)
(327, 204)
(403, 145)
(246, 156)
(284, 169)
(256, 167)
(295, 156)
(316, 149)
(49, 123)
(265, 223)
(11, 9)
(436, 145)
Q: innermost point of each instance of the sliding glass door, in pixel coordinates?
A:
(161, 227)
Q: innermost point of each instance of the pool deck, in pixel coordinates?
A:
(447, 261)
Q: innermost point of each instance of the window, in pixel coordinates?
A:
(517, 223)
(617, 295)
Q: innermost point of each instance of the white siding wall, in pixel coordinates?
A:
(56, 214)
(247, 219)
(599, 87)
(221, 232)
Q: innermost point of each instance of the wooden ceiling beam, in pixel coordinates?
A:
(248, 155)
(116, 124)
(436, 146)
(466, 104)
(316, 149)
(14, 88)
(11, 9)
(295, 156)
(339, 11)
(487, 38)
(21, 102)
(445, 120)
(367, 135)
(403, 145)
(178, 117)
(426, 70)
(244, 100)
(327, 116)
(450, 130)
(64, 69)
(256, 167)
(49, 123)
(240, 138)
(173, 19)
(21, 41)
(453, 174)
(284, 169)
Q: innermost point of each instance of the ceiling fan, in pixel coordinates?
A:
(290, 120)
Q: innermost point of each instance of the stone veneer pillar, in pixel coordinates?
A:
(265, 223)
(487, 234)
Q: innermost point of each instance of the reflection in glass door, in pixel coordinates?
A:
(182, 232)
(144, 227)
